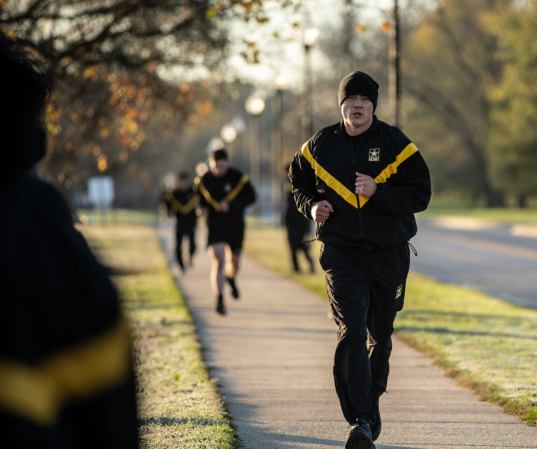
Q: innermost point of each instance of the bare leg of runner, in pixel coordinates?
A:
(232, 268)
(218, 255)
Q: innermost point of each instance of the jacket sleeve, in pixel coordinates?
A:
(202, 201)
(302, 178)
(245, 198)
(408, 191)
(71, 323)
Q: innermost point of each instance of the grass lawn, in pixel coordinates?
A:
(179, 403)
(483, 342)
(117, 216)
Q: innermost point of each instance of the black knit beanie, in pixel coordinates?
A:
(358, 83)
(219, 155)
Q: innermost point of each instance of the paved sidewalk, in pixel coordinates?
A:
(272, 356)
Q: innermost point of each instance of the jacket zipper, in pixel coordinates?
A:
(355, 166)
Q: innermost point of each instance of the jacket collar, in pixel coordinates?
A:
(340, 129)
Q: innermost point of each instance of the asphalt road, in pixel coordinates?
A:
(497, 259)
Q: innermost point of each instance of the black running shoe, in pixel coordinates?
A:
(220, 307)
(375, 422)
(234, 290)
(359, 436)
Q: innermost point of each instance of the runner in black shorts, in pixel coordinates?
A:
(182, 202)
(224, 194)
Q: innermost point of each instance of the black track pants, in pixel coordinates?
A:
(180, 234)
(295, 238)
(366, 289)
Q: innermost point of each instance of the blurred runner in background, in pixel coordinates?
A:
(224, 194)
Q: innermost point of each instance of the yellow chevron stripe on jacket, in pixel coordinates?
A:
(348, 195)
(391, 169)
(237, 189)
(38, 393)
(207, 195)
(328, 179)
(182, 208)
(228, 198)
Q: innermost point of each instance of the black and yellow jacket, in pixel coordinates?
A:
(183, 204)
(233, 187)
(66, 371)
(325, 169)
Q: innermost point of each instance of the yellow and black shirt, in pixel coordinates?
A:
(234, 187)
(325, 169)
(183, 204)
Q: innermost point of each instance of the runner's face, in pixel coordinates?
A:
(357, 112)
(219, 167)
(183, 183)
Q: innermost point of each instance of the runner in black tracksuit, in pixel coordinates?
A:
(297, 227)
(224, 194)
(183, 202)
(362, 180)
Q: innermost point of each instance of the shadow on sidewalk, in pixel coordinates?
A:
(286, 439)
(445, 445)
(391, 446)
(283, 438)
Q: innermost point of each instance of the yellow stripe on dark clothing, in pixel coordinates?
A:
(207, 196)
(328, 179)
(344, 192)
(38, 393)
(391, 169)
(182, 208)
(237, 189)
(228, 198)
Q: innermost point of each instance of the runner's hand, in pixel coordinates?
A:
(201, 212)
(365, 185)
(321, 211)
(224, 206)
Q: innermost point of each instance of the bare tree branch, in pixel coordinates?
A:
(28, 14)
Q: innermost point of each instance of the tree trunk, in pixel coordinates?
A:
(522, 200)
(493, 198)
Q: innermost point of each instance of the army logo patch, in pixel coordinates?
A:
(399, 292)
(374, 154)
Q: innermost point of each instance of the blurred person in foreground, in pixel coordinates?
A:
(182, 202)
(297, 227)
(224, 194)
(362, 181)
(66, 374)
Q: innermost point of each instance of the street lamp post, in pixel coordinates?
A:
(278, 185)
(397, 63)
(393, 29)
(240, 141)
(309, 38)
(255, 105)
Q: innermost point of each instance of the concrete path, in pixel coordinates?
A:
(272, 356)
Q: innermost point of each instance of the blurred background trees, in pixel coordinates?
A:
(513, 140)
(125, 80)
(145, 87)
